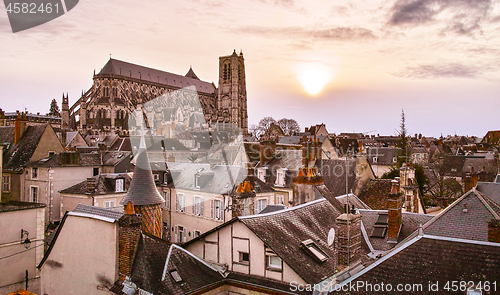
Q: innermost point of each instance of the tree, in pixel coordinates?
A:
(404, 156)
(289, 126)
(54, 109)
(258, 130)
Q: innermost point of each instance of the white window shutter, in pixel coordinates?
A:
(177, 202)
(201, 209)
(212, 209)
(194, 205)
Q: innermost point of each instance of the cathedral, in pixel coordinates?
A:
(121, 87)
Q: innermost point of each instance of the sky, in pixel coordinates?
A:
(353, 65)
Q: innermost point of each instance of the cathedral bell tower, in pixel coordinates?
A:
(65, 112)
(232, 91)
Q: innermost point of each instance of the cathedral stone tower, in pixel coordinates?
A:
(232, 96)
(65, 112)
(144, 195)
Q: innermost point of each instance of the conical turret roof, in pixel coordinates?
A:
(142, 190)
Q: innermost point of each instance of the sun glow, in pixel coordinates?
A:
(314, 76)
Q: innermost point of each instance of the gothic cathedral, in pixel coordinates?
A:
(120, 87)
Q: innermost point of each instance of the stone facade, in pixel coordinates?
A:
(120, 87)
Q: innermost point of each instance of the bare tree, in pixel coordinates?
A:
(289, 126)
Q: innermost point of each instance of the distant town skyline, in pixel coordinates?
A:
(351, 65)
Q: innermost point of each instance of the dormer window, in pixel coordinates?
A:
(261, 174)
(314, 251)
(119, 185)
(176, 276)
(375, 159)
(280, 177)
(197, 181)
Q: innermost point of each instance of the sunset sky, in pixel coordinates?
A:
(353, 65)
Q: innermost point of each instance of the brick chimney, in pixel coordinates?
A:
(19, 126)
(470, 182)
(349, 244)
(494, 231)
(129, 231)
(394, 207)
(267, 150)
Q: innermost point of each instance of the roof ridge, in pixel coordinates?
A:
(458, 240)
(285, 210)
(482, 197)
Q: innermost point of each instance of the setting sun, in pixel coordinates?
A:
(314, 76)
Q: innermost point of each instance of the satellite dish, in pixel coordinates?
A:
(331, 236)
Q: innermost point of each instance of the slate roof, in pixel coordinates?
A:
(7, 134)
(142, 190)
(122, 68)
(18, 155)
(466, 218)
(490, 189)
(70, 135)
(432, 259)
(86, 160)
(112, 158)
(273, 208)
(105, 185)
(333, 173)
(410, 221)
(121, 144)
(375, 192)
(98, 211)
(289, 159)
(353, 200)
(384, 155)
(321, 191)
(18, 205)
(283, 232)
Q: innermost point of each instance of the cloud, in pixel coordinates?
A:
(436, 71)
(463, 17)
(331, 33)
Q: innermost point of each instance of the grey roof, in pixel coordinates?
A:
(321, 191)
(122, 68)
(70, 135)
(384, 155)
(490, 189)
(466, 218)
(289, 159)
(142, 190)
(86, 160)
(410, 221)
(105, 185)
(18, 155)
(6, 134)
(18, 205)
(98, 211)
(353, 200)
(333, 173)
(375, 192)
(283, 232)
(273, 208)
(432, 259)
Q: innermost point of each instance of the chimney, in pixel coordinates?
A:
(470, 182)
(129, 231)
(63, 138)
(91, 185)
(349, 238)
(394, 206)
(267, 150)
(19, 126)
(494, 231)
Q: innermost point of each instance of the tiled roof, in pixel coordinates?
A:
(410, 221)
(142, 190)
(289, 159)
(283, 232)
(432, 259)
(121, 144)
(333, 173)
(19, 154)
(105, 185)
(273, 208)
(118, 67)
(18, 205)
(375, 192)
(112, 158)
(6, 134)
(149, 261)
(490, 189)
(384, 155)
(353, 200)
(86, 160)
(466, 218)
(98, 211)
(321, 191)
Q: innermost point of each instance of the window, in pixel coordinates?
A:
(166, 196)
(176, 276)
(180, 235)
(280, 199)
(280, 180)
(244, 257)
(261, 204)
(394, 159)
(34, 173)
(198, 206)
(6, 183)
(197, 181)
(261, 174)
(196, 233)
(95, 171)
(180, 201)
(314, 251)
(156, 176)
(109, 204)
(375, 159)
(216, 209)
(34, 194)
(273, 262)
(119, 185)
